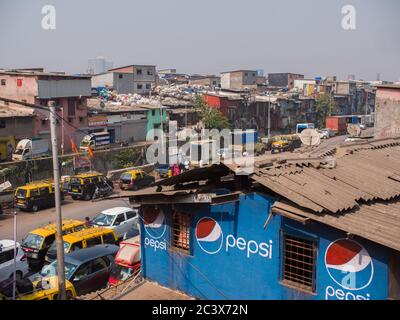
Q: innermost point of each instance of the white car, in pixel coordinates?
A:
(120, 219)
(7, 261)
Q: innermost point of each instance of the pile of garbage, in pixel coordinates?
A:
(162, 95)
(106, 95)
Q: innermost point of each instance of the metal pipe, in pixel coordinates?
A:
(57, 195)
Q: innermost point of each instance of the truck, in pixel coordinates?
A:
(31, 148)
(337, 124)
(7, 146)
(302, 126)
(96, 141)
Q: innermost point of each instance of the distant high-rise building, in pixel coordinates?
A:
(98, 65)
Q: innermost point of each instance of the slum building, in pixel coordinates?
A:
(312, 229)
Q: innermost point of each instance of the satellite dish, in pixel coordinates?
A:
(310, 137)
(353, 130)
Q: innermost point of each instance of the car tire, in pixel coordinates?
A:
(34, 208)
(74, 197)
(88, 197)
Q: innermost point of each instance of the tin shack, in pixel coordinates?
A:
(295, 229)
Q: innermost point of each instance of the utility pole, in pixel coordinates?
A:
(269, 116)
(62, 131)
(57, 194)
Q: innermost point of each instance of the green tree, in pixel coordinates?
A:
(127, 158)
(211, 117)
(325, 106)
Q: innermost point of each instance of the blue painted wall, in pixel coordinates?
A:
(244, 260)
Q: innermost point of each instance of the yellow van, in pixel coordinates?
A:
(83, 239)
(38, 241)
(36, 195)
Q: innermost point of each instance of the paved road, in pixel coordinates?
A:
(78, 209)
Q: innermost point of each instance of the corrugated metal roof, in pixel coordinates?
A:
(378, 222)
(363, 175)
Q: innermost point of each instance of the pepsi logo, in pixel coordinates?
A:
(154, 222)
(349, 264)
(209, 235)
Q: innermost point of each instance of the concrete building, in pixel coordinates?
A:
(239, 80)
(157, 119)
(69, 92)
(210, 81)
(292, 230)
(17, 121)
(98, 65)
(284, 80)
(125, 123)
(144, 77)
(387, 111)
(122, 82)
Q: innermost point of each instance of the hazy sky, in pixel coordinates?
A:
(206, 36)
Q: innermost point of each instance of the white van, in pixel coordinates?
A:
(7, 260)
(121, 219)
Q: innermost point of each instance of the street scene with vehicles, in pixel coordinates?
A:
(223, 153)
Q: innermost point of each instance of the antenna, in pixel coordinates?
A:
(353, 130)
(310, 137)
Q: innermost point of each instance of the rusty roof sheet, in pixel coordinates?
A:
(364, 174)
(378, 222)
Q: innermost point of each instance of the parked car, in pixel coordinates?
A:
(326, 133)
(135, 179)
(85, 238)
(120, 219)
(38, 241)
(85, 185)
(87, 269)
(35, 196)
(127, 261)
(7, 260)
(46, 289)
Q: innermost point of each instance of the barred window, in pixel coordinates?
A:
(181, 232)
(299, 262)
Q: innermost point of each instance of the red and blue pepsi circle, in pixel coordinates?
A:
(349, 264)
(154, 222)
(209, 235)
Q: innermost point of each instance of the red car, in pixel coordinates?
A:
(127, 261)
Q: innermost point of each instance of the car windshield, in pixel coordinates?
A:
(75, 181)
(126, 176)
(21, 193)
(53, 247)
(84, 143)
(121, 273)
(33, 241)
(103, 219)
(51, 270)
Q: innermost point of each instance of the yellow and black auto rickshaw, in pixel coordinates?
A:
(38, 241)
(35, 196)
(85, 185)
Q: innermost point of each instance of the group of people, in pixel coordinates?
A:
(178, 169)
